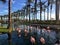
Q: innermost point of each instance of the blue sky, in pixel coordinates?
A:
(18, 5)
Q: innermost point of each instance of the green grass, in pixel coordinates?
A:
(4, 30)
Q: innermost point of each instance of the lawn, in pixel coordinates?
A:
(3, 29)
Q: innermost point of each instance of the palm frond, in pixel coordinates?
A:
(3, 1)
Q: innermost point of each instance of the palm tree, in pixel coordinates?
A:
(28, 8)
(18, 14)
(43, 9)
(1, 20)
(35, 7)
(50, 2)
(57, 10)
(10, 21)
(10, 16)
(44, 14)
(48, 10)
(40, 9)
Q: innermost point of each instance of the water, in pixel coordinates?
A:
(3, 39)
(15, 39)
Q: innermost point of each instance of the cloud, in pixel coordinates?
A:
(6, 10)
(52, 16)
(1, 13)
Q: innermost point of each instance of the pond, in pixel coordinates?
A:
(16, 40)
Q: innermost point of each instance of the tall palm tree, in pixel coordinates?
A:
(10, 21)
(44, 12)
(1, 19)
(51, 4)
(10, 16)
(45, 6)
(26, 13)
(43, 9)
(40, 9)
(48, 10)
(57, 10)
(28, 8)
(18, 14)
(35, 7)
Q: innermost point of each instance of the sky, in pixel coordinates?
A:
(18, 5)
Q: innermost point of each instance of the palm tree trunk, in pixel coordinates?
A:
(1, 21)
(44, 14)
(35, 9)
(50, 11)
(40, 9)
(10, 15)
(29, 9)
(10, 22)
(47, 13)
(57, 10)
